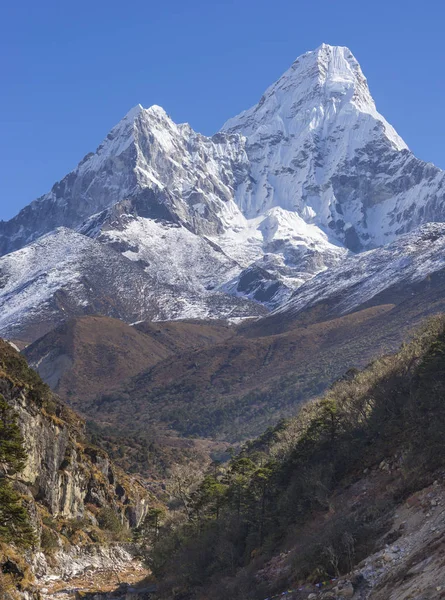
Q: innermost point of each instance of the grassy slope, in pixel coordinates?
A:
(241, 386)
(88, 355)
(211, 380)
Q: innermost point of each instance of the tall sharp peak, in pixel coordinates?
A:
(133, 113)
(339, 58)
(326, 63)
(337, 70)
(121, 135)
(137, 111)
(324, 76)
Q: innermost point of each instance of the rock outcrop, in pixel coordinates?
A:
(71, 490)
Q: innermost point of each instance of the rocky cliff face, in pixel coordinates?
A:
(63, 472)
(65, 480)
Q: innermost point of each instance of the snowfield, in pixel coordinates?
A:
(410, 259)
(66, 274)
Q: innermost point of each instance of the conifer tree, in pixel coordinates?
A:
(14, 521)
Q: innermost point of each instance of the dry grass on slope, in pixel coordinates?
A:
(241, 386)
(88, 356)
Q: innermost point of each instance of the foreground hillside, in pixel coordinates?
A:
(344, 501)
(64, 506)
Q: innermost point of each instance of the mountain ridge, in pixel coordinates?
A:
(308, 205)
(65, 274)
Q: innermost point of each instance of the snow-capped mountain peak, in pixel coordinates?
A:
(152, 121)
(317, 146)
(285, 191)
(341, 75)
(318, 85)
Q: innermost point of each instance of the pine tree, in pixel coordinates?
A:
(14, 521)
(12, 453)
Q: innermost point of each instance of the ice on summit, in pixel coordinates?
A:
(318, 117)
(317, 86)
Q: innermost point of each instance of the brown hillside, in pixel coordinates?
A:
(187, 334)
(211, 380)
(241, 386)
(89, 355)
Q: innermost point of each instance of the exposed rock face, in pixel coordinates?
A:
(257, 283)
(62, 471)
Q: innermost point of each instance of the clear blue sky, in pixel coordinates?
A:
(70, 70)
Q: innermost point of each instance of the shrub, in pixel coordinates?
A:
(49, 540)
(109, 520)
(276, 484)
(14, 521)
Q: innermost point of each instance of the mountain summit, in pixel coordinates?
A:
(315, 142)
(318, 86)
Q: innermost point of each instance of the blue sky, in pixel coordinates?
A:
(71, 70)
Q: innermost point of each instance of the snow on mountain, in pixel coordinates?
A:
(194, 181)
(171, 253)
(66, 274)
(317, 146)
(283, 252)
(146, 150)
(283, 249)
(410, 259)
